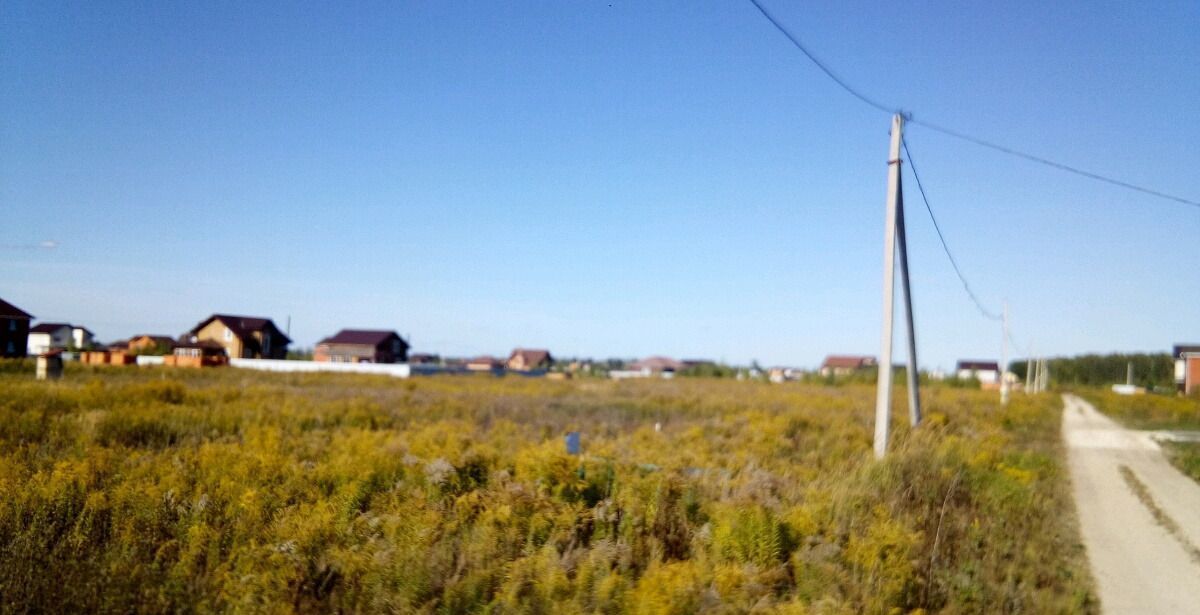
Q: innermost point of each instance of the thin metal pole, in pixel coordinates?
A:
(1004, 360)
(883, 388)
(914, 396)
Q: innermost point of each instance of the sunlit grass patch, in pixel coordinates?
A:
(157, 490)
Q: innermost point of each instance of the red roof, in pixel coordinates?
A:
(8, 310)
(848, 361)
(363, 337)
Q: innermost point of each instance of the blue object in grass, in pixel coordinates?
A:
(572, 442)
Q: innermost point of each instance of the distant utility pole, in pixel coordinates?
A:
(1004, 359)
(893, 236)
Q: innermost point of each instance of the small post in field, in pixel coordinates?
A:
(1004, 360)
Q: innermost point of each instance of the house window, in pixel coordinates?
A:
(10, 348)
(12, 325)
(229, 335)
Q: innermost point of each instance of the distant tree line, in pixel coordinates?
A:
(1149, 370)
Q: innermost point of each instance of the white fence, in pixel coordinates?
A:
(398, 370)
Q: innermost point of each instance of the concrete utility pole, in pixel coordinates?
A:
(914, 398)
(1004, 359)
(893, 232)
(1028, 374)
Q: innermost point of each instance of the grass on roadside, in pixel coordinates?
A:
(1150, 411)
(1159, 413)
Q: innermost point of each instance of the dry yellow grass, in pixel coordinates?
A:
(153, 491)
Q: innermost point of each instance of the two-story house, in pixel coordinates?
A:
(243, 337)
(49, 336)
(14, 330)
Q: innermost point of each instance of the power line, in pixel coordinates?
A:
(953, 263)
(957, 134)
(1050, 163)
(820, 65)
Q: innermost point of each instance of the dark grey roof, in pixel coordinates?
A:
(362, 337)
(979, 365)
(49, 327)
(242, 326)
(8, 310)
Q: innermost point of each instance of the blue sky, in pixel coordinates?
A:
(600, 179)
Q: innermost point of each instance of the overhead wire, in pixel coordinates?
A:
(990, 315)
(958, 134)
(821, 65)
(1050, 163)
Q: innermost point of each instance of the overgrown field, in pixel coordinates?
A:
(151, 491)
(1158, 412)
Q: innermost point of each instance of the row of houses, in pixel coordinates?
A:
(220, 337)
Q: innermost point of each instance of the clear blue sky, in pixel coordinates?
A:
(600, 179)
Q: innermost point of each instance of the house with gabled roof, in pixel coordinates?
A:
(14, 330)
(81, 337)
(484, 363)
(362, 346)
(528, 359)
(149, 344)
(986, 372)
(49, 336)
(243, 337)
(844, 365)
(657, 365)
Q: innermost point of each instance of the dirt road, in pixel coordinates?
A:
(1140, 516)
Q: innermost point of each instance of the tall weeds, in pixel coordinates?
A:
(155, 491)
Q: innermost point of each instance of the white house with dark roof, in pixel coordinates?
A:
(49, 336)
(986, 372)
(81, 337)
